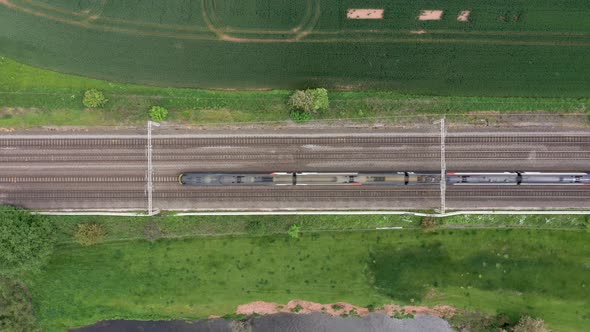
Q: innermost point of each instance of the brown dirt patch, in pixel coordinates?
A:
(430, 15)
(464, 16)
(339, 308)
(365, 14)
(418, 32)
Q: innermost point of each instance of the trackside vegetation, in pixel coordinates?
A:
(166, 267)
(36, 97)
(540, 273)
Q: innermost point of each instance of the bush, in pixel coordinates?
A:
(294, 231)
(158, 113)
(309, 101)
(26, 241)
(89, 234)
(94, 99)
(300, 116)
(320, 99)
(428, 224)
(529, 324)
(16, 309)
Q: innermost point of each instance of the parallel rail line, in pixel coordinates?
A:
(358, 155)
(275, 195)
(83, 179)
(262, 140)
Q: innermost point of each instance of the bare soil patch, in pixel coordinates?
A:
(430, 15)
(464, 16)
(340, 308)
(365, 14)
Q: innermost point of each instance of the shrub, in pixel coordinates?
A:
(337, 307)
(320, 99)
(16, 309)
(297, 308)
(94, 99)
(529, 324)
(89, 234)
(294, 231)
(158, 113)
(26, 241)
(428, 224)
(300, 116)
(308, 101)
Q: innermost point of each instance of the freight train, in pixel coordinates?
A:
(383, 179)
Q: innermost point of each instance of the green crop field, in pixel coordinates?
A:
(542, 273)
(507, 48)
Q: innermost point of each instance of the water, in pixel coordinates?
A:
(284, 322)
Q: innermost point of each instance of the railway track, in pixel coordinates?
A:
(353, 155)
(277, 195)
(85, 179)
(266, 140)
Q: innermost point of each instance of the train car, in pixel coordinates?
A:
(517, 178)
(383, 179)
(225, 179)
(479, 178)
(308, 179)
(543, 178)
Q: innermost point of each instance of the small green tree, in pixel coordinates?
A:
(158, 113)
(301, 101)
(320, 99)
(294, 231)
(308, 101)
(26, 241)
(89, 234)
(94, 99)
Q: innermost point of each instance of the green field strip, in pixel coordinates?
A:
(514, 57)
(537, 272)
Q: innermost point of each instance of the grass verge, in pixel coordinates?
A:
(168, 226)
(32, 97)
(538, 272)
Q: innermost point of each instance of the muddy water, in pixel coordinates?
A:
(279, 322)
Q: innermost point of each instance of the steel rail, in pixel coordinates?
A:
(83, 179)
(265, 140)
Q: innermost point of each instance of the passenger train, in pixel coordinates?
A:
(383, 179)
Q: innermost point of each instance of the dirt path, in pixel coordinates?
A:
(341, 308)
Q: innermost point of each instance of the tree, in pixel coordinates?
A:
(94, 99)
(301, 101)
(158, 113)
(320, 99)
(16, 309)
(26, 240)
(529, 324)
(294, 231)
(309, 101)
(89, 234)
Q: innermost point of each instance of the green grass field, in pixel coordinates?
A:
(538, 272)
(35, 97)
(517, 48)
